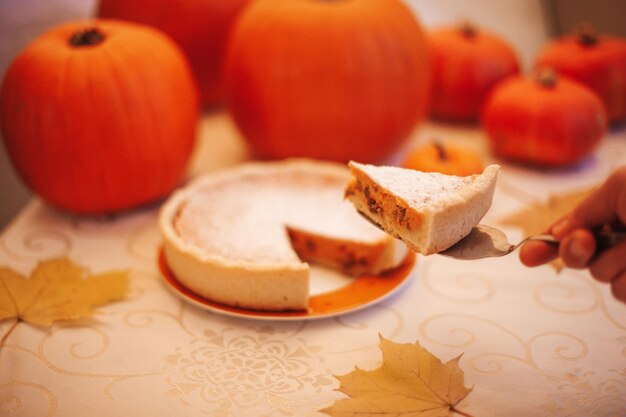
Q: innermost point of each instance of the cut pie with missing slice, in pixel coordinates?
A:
(244, 236)
(428, 211)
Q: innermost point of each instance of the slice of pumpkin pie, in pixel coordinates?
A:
(243, 237)
(428, 211)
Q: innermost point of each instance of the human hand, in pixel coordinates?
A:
(606, 206)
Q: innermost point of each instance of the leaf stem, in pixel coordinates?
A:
(5, 336)
(463, 413)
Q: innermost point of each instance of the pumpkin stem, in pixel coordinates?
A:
(546, 77)
(86, 37)
(442, 154)
(468, 30)
(587, 35)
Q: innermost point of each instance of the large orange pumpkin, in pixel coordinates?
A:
(99, 116)
(338, 79)
(597, 61)
(467, 63)
(543, 120)
(200, 27)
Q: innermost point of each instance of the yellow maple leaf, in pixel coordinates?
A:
(537, 218)
(411, 382)
(57, 289)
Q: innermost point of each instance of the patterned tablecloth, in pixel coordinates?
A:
(534, 342)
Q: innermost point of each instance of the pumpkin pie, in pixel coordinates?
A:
(245, 236)
(428, 211)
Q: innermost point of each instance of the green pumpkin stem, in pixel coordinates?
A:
(86, 37)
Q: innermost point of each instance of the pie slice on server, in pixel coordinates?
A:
(428, 211)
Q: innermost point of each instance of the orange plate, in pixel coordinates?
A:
(362, 292)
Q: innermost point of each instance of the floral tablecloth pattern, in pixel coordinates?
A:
(534, 342)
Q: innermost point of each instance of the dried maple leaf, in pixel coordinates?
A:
(537, 218)
(411, 382)
(56, 290)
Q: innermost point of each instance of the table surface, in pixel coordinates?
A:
(535, 342)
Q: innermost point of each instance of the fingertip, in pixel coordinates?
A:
(536, 253)
(562, 226)
(618, 287)
(566, 225)
(577, 248)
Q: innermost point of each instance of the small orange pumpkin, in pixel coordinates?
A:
(99, 116)
(544, 120)
(595, 60)
(444, 158)
(200, 27)
(466, 64)
(334, 79)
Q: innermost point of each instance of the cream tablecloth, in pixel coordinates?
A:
(535, 343)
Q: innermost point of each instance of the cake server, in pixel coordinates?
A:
(487, 242)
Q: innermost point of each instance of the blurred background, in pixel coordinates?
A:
(526, 24)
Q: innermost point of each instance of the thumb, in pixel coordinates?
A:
(605, 205)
